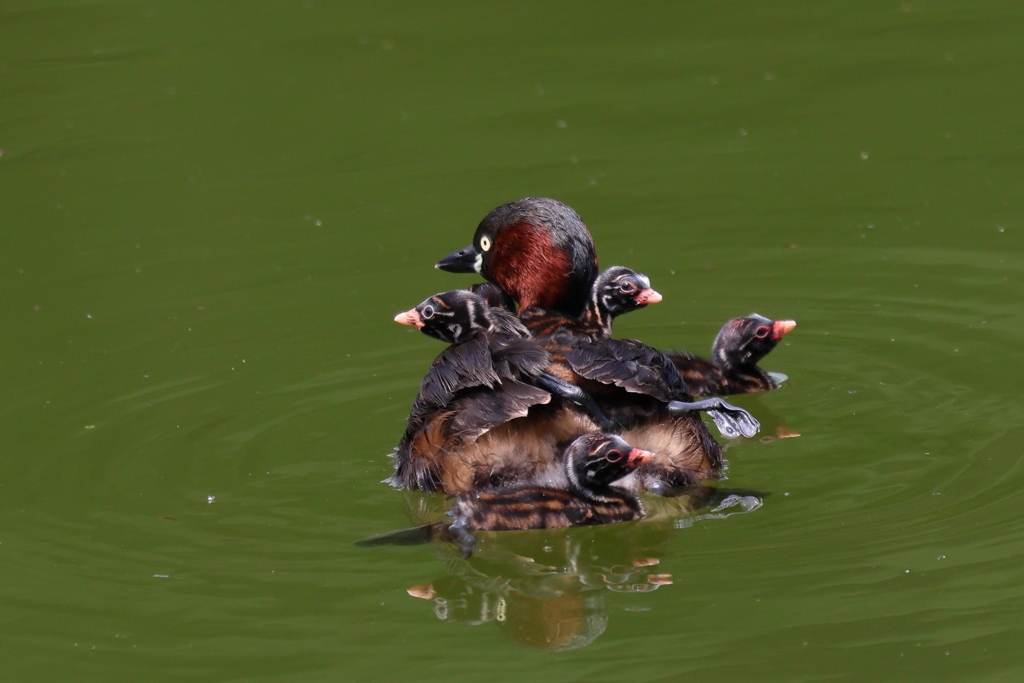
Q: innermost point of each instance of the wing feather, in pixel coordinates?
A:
(629, 364)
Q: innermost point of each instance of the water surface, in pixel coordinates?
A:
(212, 211)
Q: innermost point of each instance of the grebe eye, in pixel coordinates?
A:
(762, 332)
(427, 313)
(628, 287)
(614, 456)
(485, 243)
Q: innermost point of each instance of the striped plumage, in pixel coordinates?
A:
(541, 254)
(616, 291)
(471, 426)
(632, 382)
(534, 507)
(494, 295)
(735, 353)
(482, 380)
(593, 462)
(487, 434)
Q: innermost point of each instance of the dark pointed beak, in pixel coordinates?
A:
(410, 317)
(461, 261)
(647, 296)
(781, 327)
(638, 457)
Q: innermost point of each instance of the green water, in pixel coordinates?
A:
(210, 212)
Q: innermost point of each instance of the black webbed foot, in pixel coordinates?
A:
(573, 393)
(730, 420)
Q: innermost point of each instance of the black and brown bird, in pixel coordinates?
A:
(538, 250)
(485, 378)
(492, 374)
(732, 368)
(587, 495)
(616, 291)
(541, 254)
(635, 384)
(592, 464)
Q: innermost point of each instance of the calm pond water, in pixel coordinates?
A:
(212, 211)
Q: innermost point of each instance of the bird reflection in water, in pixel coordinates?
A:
(548, 589)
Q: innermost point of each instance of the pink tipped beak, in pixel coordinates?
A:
(410, 317)
(647, 296)
(638, 457)
(781, 328)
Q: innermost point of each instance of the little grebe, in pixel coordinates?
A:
(491, 359)
(635, 383)
(735, 353)
(542, 255)
(616, 291)
(492, 373)
(536, 249)
(593, 462)
(583, 349)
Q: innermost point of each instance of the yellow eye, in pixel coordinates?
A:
(485, 243)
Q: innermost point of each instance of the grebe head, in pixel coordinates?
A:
(597, 460)
(536, 249)
(620, 290)
(746, 340)
(454, 317)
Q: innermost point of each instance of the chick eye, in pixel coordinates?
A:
(627, 287)
(614, 456)
(762, 332)
(485, 243)
(427, 313)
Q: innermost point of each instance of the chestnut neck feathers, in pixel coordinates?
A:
(540, 252)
